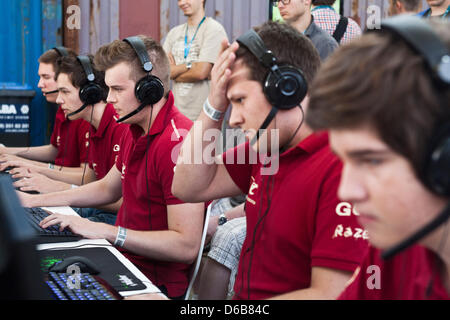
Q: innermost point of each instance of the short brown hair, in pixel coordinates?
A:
(289, 47)
(323, 2)
(72, 67)
(410, 5)
(119, 51)
(380, 82)
(51, 57)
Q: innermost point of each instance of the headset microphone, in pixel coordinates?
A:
(285, 86)
(77, 111)
(430, 227)
(128, 116)
(49, 92)
(149, 89)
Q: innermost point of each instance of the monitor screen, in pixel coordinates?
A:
(20, 275)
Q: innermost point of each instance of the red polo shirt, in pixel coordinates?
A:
(147, 210)
(413, 274)
(71, 140)
(294, 220)
(105, 142)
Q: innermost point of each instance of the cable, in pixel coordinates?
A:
(88, 150)
(284, 148)
(440, 249)
(147, 183)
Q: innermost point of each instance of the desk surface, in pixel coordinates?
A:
(86, 243)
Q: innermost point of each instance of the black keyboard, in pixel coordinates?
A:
(36, 215)
(81, 286)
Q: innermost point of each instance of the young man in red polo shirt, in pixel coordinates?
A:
(67, 151)
(105, 134)
(298, 243)
(159, 233)
(394, 139)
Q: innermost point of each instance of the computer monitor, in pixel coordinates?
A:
(20, 274)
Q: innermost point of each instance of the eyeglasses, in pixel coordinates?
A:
(285, 2)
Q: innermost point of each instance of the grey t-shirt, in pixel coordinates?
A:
(323, 42)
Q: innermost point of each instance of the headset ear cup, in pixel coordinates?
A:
(437, 166)
(92, 94)
(149, 90)
(286, 89)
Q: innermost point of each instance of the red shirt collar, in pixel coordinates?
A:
(310, 144)
(109, 113)
(161, 121)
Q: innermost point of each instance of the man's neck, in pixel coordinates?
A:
(150, 115)
(292, 120)
(303, 22)
(195, 18)
(436, 242)
(96, 114)
(440, 10)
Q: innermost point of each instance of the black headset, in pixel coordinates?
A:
(419, 35)
(435, 173)
(91, 93)
(62, 51)
(285, 86)
(149, 89)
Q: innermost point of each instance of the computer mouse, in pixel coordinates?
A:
(85, 265)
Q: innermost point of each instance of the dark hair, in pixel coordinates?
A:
(204, 3)
(52, 56)
(410, 5)
(72, 67)
(380, 82)
(323, 2)
(289, 47)
(119, 51)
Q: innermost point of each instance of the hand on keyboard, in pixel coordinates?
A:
(81, 226)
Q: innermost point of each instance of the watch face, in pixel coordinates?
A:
(222, 220)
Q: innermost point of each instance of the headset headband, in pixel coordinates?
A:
(62, 51)
(139, 47)
(419, 35)
(86, 64)
(256, 45)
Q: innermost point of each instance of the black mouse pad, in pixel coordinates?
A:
(112, 270)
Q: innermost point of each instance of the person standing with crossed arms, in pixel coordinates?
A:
(192, 48)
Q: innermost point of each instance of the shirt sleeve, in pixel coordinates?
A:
(165, 164)
(338, 239)
(239, 167)
(55, 132)
(83, 141)
(168, 42)
(210, 48)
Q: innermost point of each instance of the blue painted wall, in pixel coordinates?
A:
(27, 28)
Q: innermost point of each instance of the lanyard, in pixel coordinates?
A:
(187, 47)
(428, 13)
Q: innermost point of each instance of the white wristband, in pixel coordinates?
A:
(121, 237)
(51, 166)
(212, 113)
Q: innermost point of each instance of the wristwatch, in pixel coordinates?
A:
(189, 65)
(222, 219)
